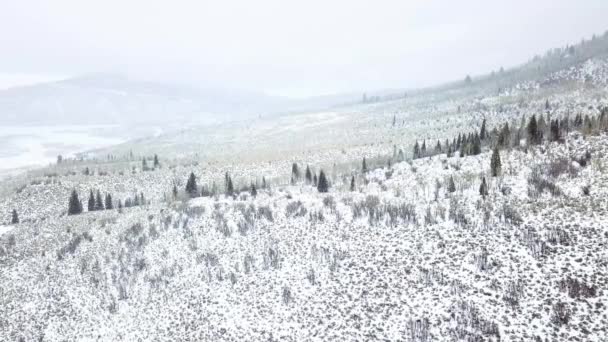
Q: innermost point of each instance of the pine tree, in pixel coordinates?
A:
(364, 166)
(394, 119)
(142, 199)
(308, 175)
(191, 187)
(109, 204)
(14, 217)
(254, 191)
(315, 180)
(264, 185)
(174, 191)
(323, 185)
(295, 173)
(229, 185)
(476, 145)
(74, 206)
(483, 188)
(119, 205)
(504, 139)
(438, 147)
(91, 203)
(423, 149)
(483, 132)
(555, 131)
(352, 184)
(156, 163)
(416, 150)
(533, 133)
(451, 185)
(495, 164)
(144, 164)
(98, 201)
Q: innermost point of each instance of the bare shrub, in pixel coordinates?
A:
(295, 209)
(287, 296)
(513, 293)
(266, 213)
(272, 258)
(248, 263)
(560, 166)
(577, 289)
(72, 245)
(418, 330)
(586, 190)
(330, 203)
(469, 325)
(311, 276)
(561, 314)
(456, 212)
(537, 184)
(511, 215)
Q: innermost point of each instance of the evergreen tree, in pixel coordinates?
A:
(98, 201)
(109, 204)
(416, 150)
(504, 139)
(308, 175)
(463, 150)
(229, 185)
(438, 147)
(86, 171)
(119, 205)
(423, 149)
(254, 191)
(74, 206)
(547, 105)
(483, 188)
(156, 163)
(364, 166)
(174, 191)
(144, 164)
(483, 132)
(476, 145)
(295, 173)
(315, 179)
(323, 185)
(135, 201)
(14, 217)
(394, 119)
(352, 184)
(451, 185)
(91, 203)
(264, 185)
(533, 132)
(191, 187)
(142, 199)
(555, 131)
(495, 164)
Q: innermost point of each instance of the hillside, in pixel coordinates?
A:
(469, 212)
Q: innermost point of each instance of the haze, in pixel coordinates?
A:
(285, 48)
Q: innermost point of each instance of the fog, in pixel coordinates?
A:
(285, 48)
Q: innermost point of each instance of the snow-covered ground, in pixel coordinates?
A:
(399, 258)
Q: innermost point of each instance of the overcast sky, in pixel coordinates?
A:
(293, 48)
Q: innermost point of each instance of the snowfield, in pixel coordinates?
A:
(398, 259)
(402, 256)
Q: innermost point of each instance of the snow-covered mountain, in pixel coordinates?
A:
(112, 99)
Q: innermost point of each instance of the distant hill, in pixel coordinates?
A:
(114, 99)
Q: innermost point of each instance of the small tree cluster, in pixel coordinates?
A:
(97, 202)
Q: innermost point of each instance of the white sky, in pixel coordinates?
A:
(293, 48)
